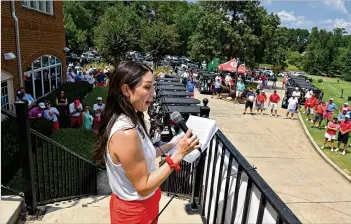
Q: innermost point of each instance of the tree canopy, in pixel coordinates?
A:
(202, 31)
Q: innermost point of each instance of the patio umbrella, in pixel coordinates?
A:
(230, 66)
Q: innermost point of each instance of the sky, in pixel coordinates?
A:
(326, 14)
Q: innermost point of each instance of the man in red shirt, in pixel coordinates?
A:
(273, 101)
(345, 106)
(344, 131)
(311, 103)
(261, 98)
(320, 108)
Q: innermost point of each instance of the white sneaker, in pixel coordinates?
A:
(322, 147)
(306, 119)
(343, 153)
(261, 113)
(276, 115)
(271, 115)
(332, 149)
(337, 149)
(311, 121)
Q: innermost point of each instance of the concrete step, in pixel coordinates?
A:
(95, 209)
(11, 208)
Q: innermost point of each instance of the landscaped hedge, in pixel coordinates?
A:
(72, 91)
(10, 155)
(90, 100)
(79, 140)
(42, 125)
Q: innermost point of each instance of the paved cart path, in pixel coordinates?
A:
(287, 161)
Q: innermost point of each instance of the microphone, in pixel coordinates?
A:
(177, 118)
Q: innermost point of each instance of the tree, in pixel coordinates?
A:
(158, 39)
(117, 33)
(76, 38)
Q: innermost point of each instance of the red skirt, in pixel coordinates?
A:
(141, 212)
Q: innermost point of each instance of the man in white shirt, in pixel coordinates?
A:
(292, 107)
(297, 93)
(98, 108)
(75, 110)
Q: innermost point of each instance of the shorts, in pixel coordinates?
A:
(291, 110)
(274, 106)
(343, 138)
(55, 126)
(217, 90)
(248, 104)
(138, 211)
(101, 84)
(318, 117)
(327, 114)
(310, 110)
(329, 137)
(260, 105)
(76, 122)
(239, 94)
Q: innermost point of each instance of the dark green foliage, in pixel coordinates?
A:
(78, 140)
(42, 125)
(91, 98)
(10, 155)
(320, 80)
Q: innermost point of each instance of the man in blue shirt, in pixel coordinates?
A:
(28, 97)
(249, 101)
(341, 116)
(331, 108)
(190, 86)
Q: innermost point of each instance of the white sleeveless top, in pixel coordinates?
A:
(118, 180)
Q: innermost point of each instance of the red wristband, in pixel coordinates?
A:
(171, 164)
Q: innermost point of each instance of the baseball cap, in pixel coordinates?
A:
(297, 88)
(331, 99)
(346, 103)
(42, 105)
(262, 91)
(347, 116)
(344, 109)
(76, 102)
(99, 98)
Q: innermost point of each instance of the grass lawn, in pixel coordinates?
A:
(332, 89)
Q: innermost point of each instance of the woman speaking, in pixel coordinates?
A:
(126, 149)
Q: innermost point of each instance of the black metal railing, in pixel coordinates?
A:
(60, 174)
(51, 172)
(227, 189)
(179, 182)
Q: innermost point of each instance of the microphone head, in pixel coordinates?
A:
(176, 117)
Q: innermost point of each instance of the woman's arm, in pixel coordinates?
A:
(131, 156)
(83, 115)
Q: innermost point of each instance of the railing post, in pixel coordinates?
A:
(25, 148)
(195, 192)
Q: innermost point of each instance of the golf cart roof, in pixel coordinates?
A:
(179, 101)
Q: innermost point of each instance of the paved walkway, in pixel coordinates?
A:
(287, 161)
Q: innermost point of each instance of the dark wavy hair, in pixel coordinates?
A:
(130, 73)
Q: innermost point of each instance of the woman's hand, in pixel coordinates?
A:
(186, 145)
(176, 139)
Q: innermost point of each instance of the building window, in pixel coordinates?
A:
(40, 5)
(5, 96)
(43, 76)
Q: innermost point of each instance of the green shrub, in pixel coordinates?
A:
(78, 140)
(90, 99)
(320, 80)
(42, 125)
(10, 155)
(72, 91)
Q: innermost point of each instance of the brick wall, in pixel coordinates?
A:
(40, 34)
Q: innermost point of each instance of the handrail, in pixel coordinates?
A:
(271, 196)
(61, 146)
(8, 113)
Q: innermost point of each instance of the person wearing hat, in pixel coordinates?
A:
(296, 93)
(320, 108)
(261, 99)
(310, 104)
(273, 103)
(75, 110)
(345, 106)
(341, 116)
(292, 107)
(98, 108)
(331, 108)
(51, 114)
(344, 132)
(37, 112)
(330, 134)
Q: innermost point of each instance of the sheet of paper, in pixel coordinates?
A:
(205, 129)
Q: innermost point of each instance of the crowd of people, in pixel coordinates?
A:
(77, 115)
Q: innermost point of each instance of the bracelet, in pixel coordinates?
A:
(170, 162)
